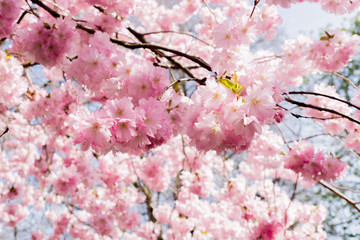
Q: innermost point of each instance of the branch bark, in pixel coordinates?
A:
(157, 49)
(301, 104)
(340, 194)
(52, 12)
(324, 95)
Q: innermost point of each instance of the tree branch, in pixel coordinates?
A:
(6, 130)
(340, 194)
(344, 78)
(301, 104)
(182, 33)
(155, 49)
(256, 2)
(174, 67)
(324, 95)
(52, 12)
(145, 45)
(179, 81)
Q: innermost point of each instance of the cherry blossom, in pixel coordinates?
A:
(148, 120)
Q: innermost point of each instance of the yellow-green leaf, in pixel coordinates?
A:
(227, 83)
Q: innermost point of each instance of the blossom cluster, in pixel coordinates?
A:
(9, 12)
(13, 85)
(334, 6)
(48, 43)
(223, 120)
(312, 166)
(123, 127)
(117, 123)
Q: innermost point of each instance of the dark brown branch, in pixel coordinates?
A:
(145, 45)
(21, 17)
(101, 9)
(256, 2)
(302, 116)
(324, 95)
(156, 48)
(317, 118)
(6, 130)
(174, 67)
(52, 12)
(157, 51)
(149, 203)
(31, 10)
(301, 104)
(340, 194)
(85, 28)
(29, 64)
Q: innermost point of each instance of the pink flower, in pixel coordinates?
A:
(353, 140)
(224, 36)
(269, 230)
(104, 224)
(259, 102)
(9, 12)
(37, 235)
(156, 123)
(282, 3)
(48, 42)
(154, 174)
(94, 131)
(313, 166)
(67, 181)
(13, 85)
(268, 22)
(13, 213)
(244, 29)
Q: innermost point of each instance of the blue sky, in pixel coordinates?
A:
(309, 19)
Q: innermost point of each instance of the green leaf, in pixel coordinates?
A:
(238, 89)
(324, 38)
(176, 87)
(227, 83)
(234, 87)
(327, 37)
(46, 25)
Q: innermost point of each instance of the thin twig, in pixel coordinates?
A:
(6, 130)
(57, 6)
(302, 116)
(256, 2)
(283, 136)
(340, 194)
(344, 78)
(182, 33)
(144, 44)
(324, 95)
(210, 10)
(309, 137)
(301, 104)
(344, 188)
(310, 117)
(178, 81)
(291, 199)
